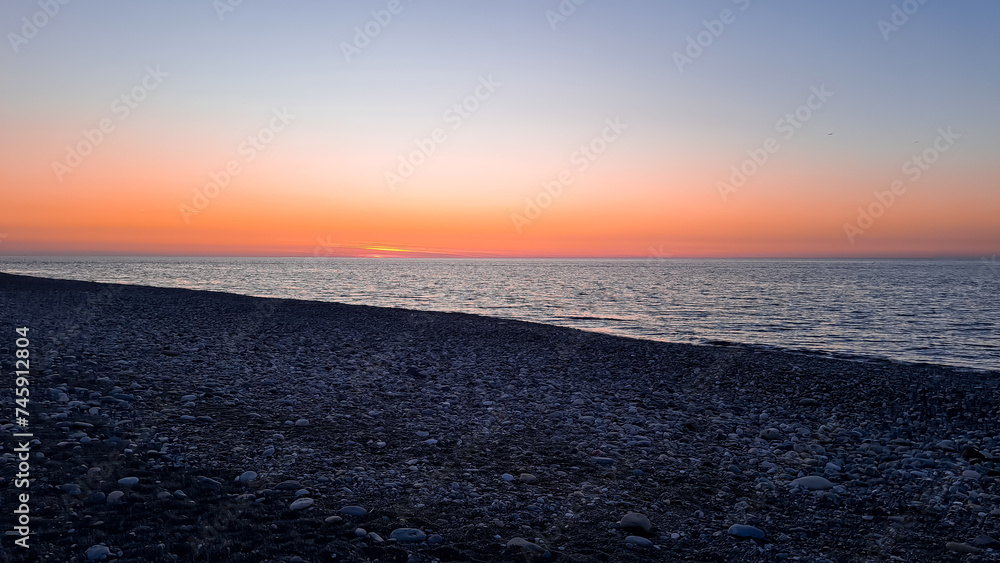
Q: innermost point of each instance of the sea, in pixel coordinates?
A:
(930, 311)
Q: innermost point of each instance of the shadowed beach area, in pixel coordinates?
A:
(180, 425)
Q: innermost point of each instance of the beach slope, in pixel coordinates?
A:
(178, 425)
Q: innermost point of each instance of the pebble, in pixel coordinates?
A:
(115, 497)
(208, 483)
(528, 478)
(301, 504)
(743, 531)
(290, 485)
(407, 535)
(435, 540)
(962, 547)
(360, 532)
(523, 543)
(948, 445)
(302, 422)
(771, 434)
(507, 477)
(635, 522)
(247, 476)
(636, 541)
(812, 483)
(128, 481)
(986, 542)
(333, 520)
(355, 511)
(71, 489)
(98, 553)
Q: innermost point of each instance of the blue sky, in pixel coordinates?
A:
(604, 59)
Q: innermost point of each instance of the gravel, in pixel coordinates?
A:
(835, 459)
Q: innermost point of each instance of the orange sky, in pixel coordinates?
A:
(309, 137)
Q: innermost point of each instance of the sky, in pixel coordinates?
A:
(524, 128)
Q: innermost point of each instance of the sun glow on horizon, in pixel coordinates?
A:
(444, 138)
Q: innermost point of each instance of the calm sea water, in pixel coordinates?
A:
(936, 311)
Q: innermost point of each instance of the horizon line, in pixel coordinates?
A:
(422, 256)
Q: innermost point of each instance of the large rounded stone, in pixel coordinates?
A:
(115, 497)
(770, 434)
(301, 504)
(635, 522)
(355, 511)
(407, 535)
(813, 483)
(98, 553)
(742, 531)
(637, 541)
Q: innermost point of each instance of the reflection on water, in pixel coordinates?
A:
(940, 311)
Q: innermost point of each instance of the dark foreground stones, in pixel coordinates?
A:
(196, 455)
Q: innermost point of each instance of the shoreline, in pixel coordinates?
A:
(475, 431)
(816, 352)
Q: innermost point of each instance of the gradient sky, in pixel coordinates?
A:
(320, 186)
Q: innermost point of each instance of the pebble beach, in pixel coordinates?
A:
(180, 425)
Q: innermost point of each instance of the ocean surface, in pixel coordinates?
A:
(933, 311)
